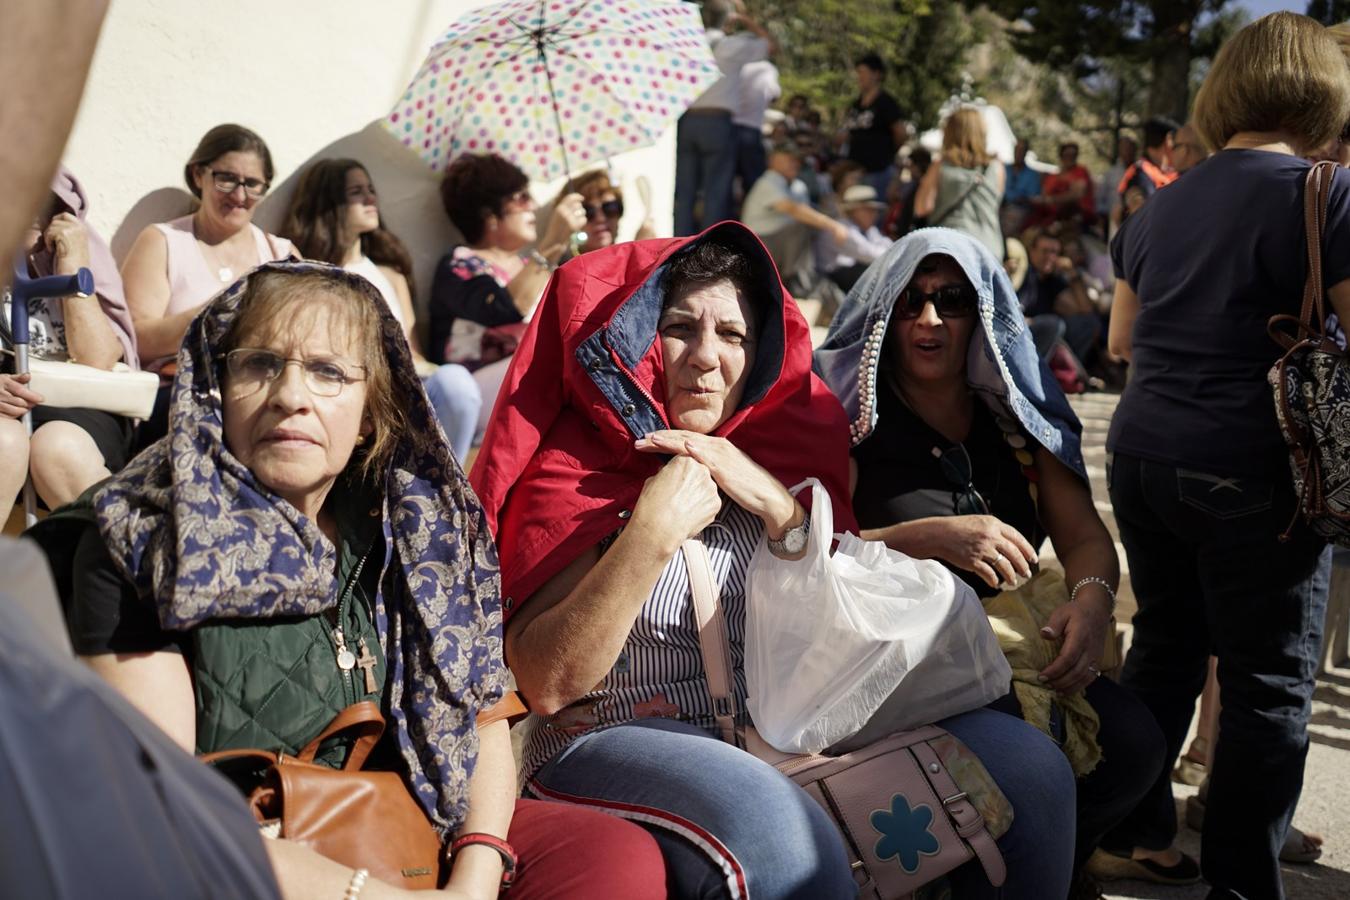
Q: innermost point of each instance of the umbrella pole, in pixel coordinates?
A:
(557, 115)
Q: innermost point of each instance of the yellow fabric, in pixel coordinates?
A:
(1017, 618)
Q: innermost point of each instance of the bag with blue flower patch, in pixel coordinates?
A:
(910, 807)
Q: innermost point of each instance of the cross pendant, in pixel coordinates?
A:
(366, 663)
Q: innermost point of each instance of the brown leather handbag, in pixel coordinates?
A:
(363, 819)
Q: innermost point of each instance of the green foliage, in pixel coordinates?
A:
(925, 45)
(1329, 12)
(1148, 41)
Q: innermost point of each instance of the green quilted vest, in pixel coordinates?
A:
(276, 683)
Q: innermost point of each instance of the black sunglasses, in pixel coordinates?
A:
(952, 301)
(956, 468)
(610, 209)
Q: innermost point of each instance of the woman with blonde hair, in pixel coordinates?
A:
(602, 202)
(963, 188)
(1197, 469)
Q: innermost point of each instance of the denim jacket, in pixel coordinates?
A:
(1002, 365)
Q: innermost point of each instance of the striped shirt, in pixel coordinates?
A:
(659, 672)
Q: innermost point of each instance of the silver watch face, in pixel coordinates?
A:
(794, 539)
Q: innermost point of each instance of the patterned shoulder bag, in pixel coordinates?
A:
(1311, 382)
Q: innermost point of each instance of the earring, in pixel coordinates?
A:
(360, 439)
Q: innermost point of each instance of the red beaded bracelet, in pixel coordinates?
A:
(508, 853)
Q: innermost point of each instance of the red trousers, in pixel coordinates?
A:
(580, 854)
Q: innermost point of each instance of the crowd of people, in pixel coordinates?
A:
(292, 530)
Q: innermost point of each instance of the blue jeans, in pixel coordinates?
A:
(751, 160)
(1212, 577)
(705, 162)
(880, 181)
(723, 817)
(1079, 332)
(1132, 758)
(456, 400)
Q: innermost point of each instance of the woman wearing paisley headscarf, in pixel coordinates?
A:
(303, 509)
(965, 450)
(658, 381)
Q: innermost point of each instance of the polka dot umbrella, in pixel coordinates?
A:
(555, 84)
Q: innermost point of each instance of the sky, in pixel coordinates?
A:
(1259, 8)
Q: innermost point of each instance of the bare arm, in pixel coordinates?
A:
(405, 306)
(158, 685)
(1339, 294)
(1085, 549)
(89, 336)
(814, 218)
(1125, 309)
(477, 869)
(42, 73)
(145, 276)
(570, 632)
(925, 195)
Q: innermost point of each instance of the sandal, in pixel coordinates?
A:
(1189, 771)
(1107, 866)
(1299, 848)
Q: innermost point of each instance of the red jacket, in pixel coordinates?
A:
(557, 471)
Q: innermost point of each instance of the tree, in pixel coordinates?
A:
(1329, 12)
(925, 45)
(1158, 39)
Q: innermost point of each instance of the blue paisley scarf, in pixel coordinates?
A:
(199, 537)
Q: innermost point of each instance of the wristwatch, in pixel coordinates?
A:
(793, 540)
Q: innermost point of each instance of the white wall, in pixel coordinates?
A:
(313, 77)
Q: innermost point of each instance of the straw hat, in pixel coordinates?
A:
(860, 195)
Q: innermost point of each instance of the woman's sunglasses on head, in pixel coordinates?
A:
(952, 301)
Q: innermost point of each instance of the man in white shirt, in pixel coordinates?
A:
(705, 140)
(778, 209)
(759, 89)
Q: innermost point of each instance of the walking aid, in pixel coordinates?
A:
(22, 290)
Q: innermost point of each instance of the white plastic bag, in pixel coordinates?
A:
(843, 649)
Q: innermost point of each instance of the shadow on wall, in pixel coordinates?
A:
(160, 205)
(410, 202)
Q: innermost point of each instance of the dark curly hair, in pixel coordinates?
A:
(709, 261)
(314, 220)
(475, 187)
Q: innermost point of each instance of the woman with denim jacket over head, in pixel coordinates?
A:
(662, 392)
(1200, 478)
(954, 421)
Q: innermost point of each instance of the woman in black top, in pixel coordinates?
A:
(946, 467)
(1200, 477)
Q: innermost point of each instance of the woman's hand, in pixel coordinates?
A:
(985, 545)
(68, 241)
(1082, 626)
(568, 217)
(15, 398)
(747, 483)
(678, 502)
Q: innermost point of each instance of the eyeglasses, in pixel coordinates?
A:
(610, 209)
(952, 301)
(251, 370)
(956, 468)
(227, 182)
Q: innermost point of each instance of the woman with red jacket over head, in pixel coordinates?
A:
(664, 391)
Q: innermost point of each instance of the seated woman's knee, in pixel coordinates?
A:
(63, 443)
